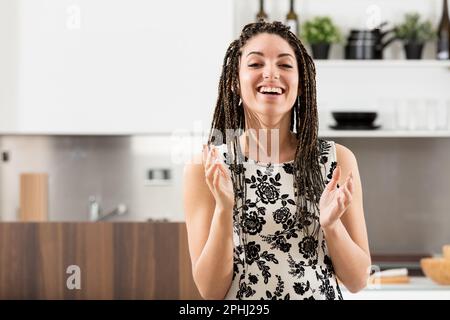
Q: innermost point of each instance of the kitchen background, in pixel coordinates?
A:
(108, 98)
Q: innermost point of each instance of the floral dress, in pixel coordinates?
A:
(280, 260)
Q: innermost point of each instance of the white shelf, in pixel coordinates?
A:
(383, 63)
(383, 134)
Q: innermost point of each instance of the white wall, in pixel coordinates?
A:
(118, 66)
(8, 62)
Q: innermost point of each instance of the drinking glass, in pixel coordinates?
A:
(431, 106)
(402, 115)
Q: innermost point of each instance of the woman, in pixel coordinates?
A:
(272, 211)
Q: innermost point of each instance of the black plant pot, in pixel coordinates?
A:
(413, 50)
(320, 50)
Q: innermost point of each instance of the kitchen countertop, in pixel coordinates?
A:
(419, 288)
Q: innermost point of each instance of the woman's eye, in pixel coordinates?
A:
(256, 65)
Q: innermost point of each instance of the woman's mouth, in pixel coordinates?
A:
(270, 92)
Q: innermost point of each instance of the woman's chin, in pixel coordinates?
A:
(274, 107)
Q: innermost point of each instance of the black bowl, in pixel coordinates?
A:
(356, 118)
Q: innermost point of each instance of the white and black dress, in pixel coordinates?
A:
(280, 260)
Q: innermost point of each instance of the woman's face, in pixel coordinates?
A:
(268, 76)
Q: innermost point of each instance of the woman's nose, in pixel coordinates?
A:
(270, 72)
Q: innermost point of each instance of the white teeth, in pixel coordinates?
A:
(270, 89)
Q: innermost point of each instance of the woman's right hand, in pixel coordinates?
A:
(218, 179)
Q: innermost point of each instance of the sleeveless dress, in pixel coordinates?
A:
(281, 261)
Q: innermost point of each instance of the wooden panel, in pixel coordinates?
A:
(19, 265)
(166, 258)
(33, 197)
(51, 275)
(117, 261)
(188, 289)
(134, 273)
(91, 249)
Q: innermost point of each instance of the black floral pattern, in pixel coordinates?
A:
(308, 246)
(266, 191)
(252, 251)
(274, 258)
(252, 223)
(288, 168)
(297, 269)
(252, 278)
(278, 293)
(301, 287)
(281, 215)
(325, 288)
(245, 291)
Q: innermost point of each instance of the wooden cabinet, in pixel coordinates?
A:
(115, 260)
(115, 66)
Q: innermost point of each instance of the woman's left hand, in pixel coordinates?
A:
(334, 201)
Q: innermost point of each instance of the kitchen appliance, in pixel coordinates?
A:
(367, 44)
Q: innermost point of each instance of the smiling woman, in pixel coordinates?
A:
(270, 214)
(268, 76)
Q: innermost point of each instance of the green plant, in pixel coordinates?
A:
(414, 30)
(320, 30)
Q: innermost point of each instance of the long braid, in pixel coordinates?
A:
(229, 114)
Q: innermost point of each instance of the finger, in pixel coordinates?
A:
(210, 172)
(224, 170)
(350, 184)
(216, 180)
(348, 196)
(341, 202)
(335, 178)
(208, 160)
(347, 181)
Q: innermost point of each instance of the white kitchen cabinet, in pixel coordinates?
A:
(116, 66)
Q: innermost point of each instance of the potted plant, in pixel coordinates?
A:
(320, 33)
(414, 33)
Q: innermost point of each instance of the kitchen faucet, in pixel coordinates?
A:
(96, 215)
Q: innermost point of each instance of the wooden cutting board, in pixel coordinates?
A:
(389, 280)
(33, 197)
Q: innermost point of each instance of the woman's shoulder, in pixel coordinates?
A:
(341, 154)
(344, 154)
(332, 147)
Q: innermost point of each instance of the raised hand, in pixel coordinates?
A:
(218, 179)
(334, 201)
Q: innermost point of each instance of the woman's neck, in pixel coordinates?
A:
(269, 145)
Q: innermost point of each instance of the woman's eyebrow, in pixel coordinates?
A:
(262, 54)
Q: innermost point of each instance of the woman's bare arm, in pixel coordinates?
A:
(210, 234)
(346, 239)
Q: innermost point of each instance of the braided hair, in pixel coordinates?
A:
(229, 117)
